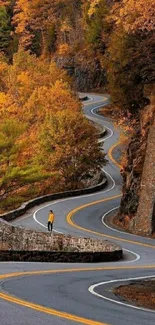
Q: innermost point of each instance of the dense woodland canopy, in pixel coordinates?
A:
(48, 140)
(119, 33)
(44, 138)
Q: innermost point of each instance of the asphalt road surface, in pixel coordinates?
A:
(69, 294)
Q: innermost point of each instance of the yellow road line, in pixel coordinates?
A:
(52, 311)
(49, 311)
(71, 213)
(83, 269)
(112, 147)
(111, 156)
(73, 224)
(97, 102)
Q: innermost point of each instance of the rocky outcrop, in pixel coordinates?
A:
(132, 174)
(86, 71)
(139, 173)
(144, 221)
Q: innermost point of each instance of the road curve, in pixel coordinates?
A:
(55, 293)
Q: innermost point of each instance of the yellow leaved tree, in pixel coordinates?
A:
(50, 142)
(35, 16)
(135, 15)
(68, 143)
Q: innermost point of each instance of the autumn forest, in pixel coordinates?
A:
(45, 141)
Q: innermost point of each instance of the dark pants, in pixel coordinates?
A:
(50, 226)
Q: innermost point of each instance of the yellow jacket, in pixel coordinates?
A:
(51, 217)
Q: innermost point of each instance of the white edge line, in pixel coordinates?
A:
(92, 287)
(62, 200)
(71, 198)
(77, 197)
(94, 119)
(107, 226)
(111, 131)
(111, 134)
(114, 229)
(41, 224)
(89, 98)
(93, 101)
(133, 253)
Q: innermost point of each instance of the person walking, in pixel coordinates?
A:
(51, 218)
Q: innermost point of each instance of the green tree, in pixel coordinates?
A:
(14, 171)
(5, 30)
(94, 14)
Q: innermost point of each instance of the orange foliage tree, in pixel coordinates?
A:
(135, 15)
(69, 144)
(37, 101)
(34, 16)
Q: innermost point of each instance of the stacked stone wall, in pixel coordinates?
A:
(27, 245)
(9, 216)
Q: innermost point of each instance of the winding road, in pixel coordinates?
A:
(71, 294)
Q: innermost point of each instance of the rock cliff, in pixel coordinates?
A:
(85, 70)
(137, 204)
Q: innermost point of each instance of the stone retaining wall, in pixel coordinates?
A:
(8, 216)
(63, 257)
(17, 244)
